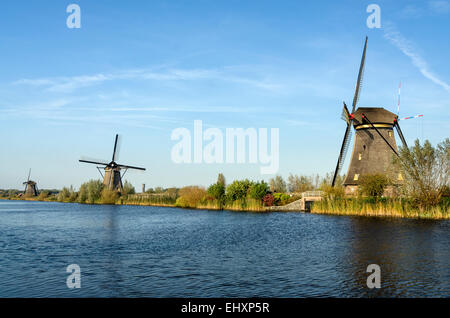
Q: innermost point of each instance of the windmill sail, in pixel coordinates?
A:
(360, 78)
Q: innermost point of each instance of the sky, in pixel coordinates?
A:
(144, 68)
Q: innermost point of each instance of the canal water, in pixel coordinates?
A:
(134, 251)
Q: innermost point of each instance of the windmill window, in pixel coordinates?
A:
(359, 156)
(364, 146)
(390, 134)
(356, 177)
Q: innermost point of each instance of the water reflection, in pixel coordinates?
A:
(112, 248)
(402, 248)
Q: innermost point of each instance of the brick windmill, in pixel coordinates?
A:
(374, 142)
(31, 189)
(112, 177)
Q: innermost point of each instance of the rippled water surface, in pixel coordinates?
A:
(135, 251)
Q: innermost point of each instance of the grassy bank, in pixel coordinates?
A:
(161, 201)
(400, 208)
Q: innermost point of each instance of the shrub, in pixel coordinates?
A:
(268, 199)
(258, 190)
(373, 185)
(238, 190)
(43, 195)
(190, 197)
(109, 196)
(280, 198)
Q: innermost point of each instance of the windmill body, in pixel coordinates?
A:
(374, 145)
(112, 177)
(31, 189)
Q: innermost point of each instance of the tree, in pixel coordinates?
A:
(217, 191)
(277, 184)
(90, 191)
(300, 183)
(259, 190)
(128, 188)
(221, 179)
(373, 185)
(425, 171)
(238, 190)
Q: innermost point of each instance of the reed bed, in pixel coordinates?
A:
(149, 199)
(399, 208)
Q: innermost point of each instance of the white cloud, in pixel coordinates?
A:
(407, 48)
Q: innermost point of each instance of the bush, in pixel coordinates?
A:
(280, 198)
(43, 195)
(109, 196)
(268, 199)
(373, 185)
(238, 190)
(190, 197)
(258, 190)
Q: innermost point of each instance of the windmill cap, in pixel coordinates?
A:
(375, 115)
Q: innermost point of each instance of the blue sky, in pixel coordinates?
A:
(144, 68)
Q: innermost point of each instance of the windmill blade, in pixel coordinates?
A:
(343, 152)
(29, 174)
(115, 147)
(94, 162)
(360, 78)
(411, 117)
(345, 114)
(130, 167)
(400, 134)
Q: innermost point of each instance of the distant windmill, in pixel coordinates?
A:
(112, 177)
(374, 139)
(30, 187)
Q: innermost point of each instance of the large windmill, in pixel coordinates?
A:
(374, 142)
(112, 177)
(30, 187)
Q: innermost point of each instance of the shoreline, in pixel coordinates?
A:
(369, 213)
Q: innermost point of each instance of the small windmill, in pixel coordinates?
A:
(31, 189)
(374, 138)
(112, 177)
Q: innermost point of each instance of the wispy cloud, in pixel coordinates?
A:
(68, 84)
(407, 48)
(439, 6)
